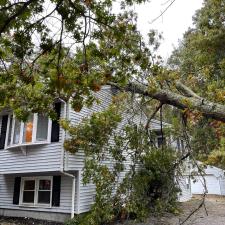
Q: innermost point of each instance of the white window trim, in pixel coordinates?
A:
(35, 204)
(34, 132)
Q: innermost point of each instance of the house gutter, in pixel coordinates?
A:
(62, 169)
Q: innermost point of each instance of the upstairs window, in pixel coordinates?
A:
(37, 129)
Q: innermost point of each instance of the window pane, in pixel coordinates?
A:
(28, 196)
(28, 130)
(29, 184)
(16, 136)
(10, 130)
(42, 128)
(44, 185)
(44, 197)
(160, 141)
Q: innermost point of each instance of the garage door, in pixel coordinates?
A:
(212, 184)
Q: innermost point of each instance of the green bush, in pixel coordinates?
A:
(154, 188)
(77, 220)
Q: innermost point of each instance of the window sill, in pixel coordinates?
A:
(27, 145)
(24, 205)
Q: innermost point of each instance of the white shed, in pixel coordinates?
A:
(215, 182)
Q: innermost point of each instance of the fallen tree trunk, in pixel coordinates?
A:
(194, 102)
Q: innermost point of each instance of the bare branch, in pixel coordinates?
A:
(161, 14)
(46, 16)
(153, 115)
(202, 203)
(60, 48)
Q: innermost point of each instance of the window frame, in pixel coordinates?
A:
(34, 132)
(36, 192)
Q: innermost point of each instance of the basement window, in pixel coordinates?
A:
(36, 130)
(36, 191)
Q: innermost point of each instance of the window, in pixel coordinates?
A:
(10, 130)
(16, 131)
(160, 140)
(29, 191)
(187, 183)
(28, 130)
(36, 191)
(44, 191)
(37, 129)
(42, 128)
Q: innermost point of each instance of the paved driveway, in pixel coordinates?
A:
(215, 208)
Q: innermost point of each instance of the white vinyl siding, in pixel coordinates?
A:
(76, 161)
(6, 195)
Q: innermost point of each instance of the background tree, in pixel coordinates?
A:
(200, 59)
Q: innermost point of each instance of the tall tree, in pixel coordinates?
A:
(65, 48)
(201, 54)
(200, 58)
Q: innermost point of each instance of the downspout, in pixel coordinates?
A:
(73, 193)
(62, 171)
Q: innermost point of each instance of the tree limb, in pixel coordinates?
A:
(207, 108)
(152, 116)
(186, 91)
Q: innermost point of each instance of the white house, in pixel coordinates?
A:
(214, 181)
(38, 178)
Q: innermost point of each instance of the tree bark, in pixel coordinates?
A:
(194, 102)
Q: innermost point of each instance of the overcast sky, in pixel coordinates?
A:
(172, 24)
